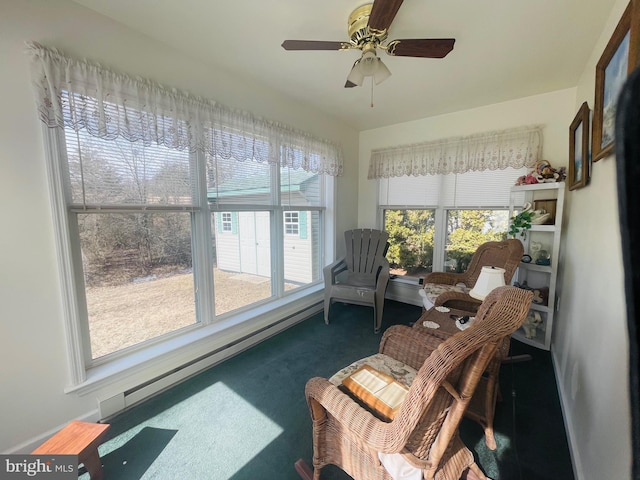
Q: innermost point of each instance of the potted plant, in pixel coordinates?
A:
(520, 223)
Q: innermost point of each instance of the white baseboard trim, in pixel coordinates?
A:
(574, 453)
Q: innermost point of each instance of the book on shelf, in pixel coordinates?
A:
(380, 392)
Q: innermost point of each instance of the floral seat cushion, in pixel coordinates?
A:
(431, 291)
(383, 363)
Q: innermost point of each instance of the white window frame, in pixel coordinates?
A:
(86, 374)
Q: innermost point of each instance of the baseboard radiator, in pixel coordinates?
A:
(405, 290)
(118, 403)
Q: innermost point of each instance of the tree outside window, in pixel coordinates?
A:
(411, 235)
(467, 230)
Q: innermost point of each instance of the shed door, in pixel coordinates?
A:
(255, 244)
(263, 244)
(247, 237)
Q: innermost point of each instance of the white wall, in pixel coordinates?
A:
(590, 347)
(33, 364)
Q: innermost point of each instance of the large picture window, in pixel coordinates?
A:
(127, 205)
(173, 212)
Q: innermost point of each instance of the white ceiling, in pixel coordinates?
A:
(504, 49)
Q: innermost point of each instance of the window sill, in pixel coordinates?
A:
(406, 279)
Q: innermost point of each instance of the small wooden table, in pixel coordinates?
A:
(447, 324)
(81, 439)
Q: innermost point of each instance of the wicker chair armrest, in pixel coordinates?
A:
(459, 300)
(445, 278)
(324, 397)
(410, 346)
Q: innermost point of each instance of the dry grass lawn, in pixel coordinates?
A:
(125, 315)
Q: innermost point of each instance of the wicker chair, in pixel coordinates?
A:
(483, 404)
(505, 254)
(425, 429)
(367, 273)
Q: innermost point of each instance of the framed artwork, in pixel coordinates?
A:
(579, 155)
(611, 72)
(634, 49)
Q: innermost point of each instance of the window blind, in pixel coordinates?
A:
(485, 189)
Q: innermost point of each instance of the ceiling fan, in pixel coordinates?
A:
(368, 27)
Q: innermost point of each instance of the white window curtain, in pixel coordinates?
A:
(84, 96)
(497, 150)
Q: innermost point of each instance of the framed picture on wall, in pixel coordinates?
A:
(611, 72)
(579, 155)
(634, 48)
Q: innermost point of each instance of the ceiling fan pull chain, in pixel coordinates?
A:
(372, 82)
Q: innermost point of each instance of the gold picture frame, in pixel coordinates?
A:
(612, 69)
(579, 154)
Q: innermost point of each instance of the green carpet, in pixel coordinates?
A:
(247, 418)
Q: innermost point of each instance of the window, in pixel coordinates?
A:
(127, 204)
(467, 230)
(172, 212)
(436, 222)
(411, 234)
(129, 226)
(291, 225)
(226, 222)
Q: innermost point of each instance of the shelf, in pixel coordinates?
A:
(549, 195)
(534, 267)
(538, 186)
(538, 341)
(543, 228)
(539, 307)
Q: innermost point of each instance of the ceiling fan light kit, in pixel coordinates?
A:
(368, 27)
(369, 65)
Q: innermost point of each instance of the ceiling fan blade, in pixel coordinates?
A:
(349, 84)
(314, 45)
(421, 47)
(382, 14)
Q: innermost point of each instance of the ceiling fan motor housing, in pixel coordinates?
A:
(359, 32)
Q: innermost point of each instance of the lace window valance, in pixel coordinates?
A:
(82, 95)
(516, 148)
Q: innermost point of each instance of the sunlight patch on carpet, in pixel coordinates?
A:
(228, 430)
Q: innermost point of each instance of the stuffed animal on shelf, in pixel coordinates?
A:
(532, 323)
(541, 295)
(542, 172)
